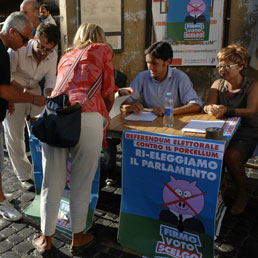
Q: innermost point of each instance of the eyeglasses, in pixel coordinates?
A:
(24, 39)
(43, 49)
(227, 67)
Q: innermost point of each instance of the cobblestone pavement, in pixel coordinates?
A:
(239, 232)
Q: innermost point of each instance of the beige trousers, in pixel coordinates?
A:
(14, 137)
(85, 156)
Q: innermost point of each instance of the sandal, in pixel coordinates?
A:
(38, 247)
(77, 250)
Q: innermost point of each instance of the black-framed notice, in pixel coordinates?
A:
(109, 15)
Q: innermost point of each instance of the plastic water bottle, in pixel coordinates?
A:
(168, 119)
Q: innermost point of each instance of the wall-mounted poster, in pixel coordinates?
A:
(109, 15)
(193, 27)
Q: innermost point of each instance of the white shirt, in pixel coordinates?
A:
(25, 71)
(50, 20)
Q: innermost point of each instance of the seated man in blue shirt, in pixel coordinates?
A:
(160, 78)
(153, 84)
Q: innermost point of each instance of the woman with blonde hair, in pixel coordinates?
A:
(236, 95)
(94, 66)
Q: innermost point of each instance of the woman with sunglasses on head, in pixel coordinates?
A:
(236, 95)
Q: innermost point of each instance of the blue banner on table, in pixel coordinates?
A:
(170, 188)
(63, 223)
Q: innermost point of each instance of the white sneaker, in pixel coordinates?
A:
(8, 211)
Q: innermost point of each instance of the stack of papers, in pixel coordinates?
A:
(143, 116)
(199, 126)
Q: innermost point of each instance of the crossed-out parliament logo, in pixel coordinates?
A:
(178, 244)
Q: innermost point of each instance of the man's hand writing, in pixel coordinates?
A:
(136, 108)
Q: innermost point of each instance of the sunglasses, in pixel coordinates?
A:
(24, 39)
(227, 67)
(43, 49)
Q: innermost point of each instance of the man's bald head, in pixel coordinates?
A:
(31, 9)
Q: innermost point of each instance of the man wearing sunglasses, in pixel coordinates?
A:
(28, 66)
(15, 33)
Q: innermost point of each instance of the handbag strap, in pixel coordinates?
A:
(70, 70)
(94, 87)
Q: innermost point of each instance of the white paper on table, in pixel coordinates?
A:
(115, 110)
(143, 116)
(199, 126)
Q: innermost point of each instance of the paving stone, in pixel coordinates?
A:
(16, 196)
(114, 225)
(65, 251)
(23, 248)
(118, 191)
(18, 226)
(26, 232)
(7, 232)
(91, 251)
(5, 246)
(29, 196)
(33, 255)
(57, 243)
(99, 212)
(111, 216)
(16, 186)
(15, 239)
(10, 255)
(8, 183)
(4, 223)
(108, 189)
(103, 222)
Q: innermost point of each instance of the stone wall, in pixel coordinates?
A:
(132, 60)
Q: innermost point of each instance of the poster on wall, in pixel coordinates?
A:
(169, 200)
(108, 14)
(192, 27)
